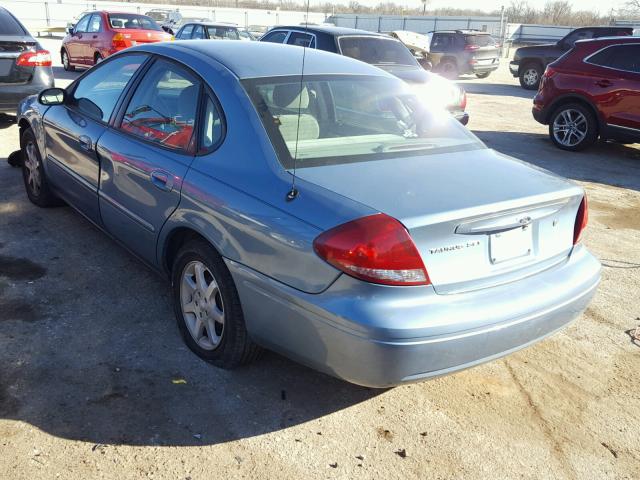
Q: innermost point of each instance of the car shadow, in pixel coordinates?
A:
(90, 350)
(606, 162)
(481, 87)
(60, 73)
(6, 120)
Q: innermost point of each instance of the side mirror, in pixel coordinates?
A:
(52, 96)
(70, 30)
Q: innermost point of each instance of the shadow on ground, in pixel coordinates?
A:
(497, 89)
(61, 74)
(606, 162)
(89, 348)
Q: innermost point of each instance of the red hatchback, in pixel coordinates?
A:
(100, 34)
(592, 91)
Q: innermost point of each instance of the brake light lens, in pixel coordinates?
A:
(39, 58)
(376, 248)
(549, 72)
(471, 48)
(582, 218)
(118, 41)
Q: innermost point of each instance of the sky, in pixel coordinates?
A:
(489, 5)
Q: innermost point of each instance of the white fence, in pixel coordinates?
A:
(39, 14)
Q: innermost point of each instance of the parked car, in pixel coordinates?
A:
(208, 31)
(459, 52)
(168, 19)
(100, 34)
(399, 253)
(25, 66)
(382, 51)
(592, 92)
(529, 62)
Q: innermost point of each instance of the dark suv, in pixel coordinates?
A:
(529, 62)
(592, 91)
(458, 52)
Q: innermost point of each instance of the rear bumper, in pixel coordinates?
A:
(382, 336)
(483, 68)
(461, 116)
(12, 95)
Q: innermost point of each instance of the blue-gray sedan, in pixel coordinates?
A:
(335, 218)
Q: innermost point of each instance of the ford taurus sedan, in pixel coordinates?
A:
(333, 218)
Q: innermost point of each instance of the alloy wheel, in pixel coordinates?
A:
(202, 306)
(32, 164)
(531, 76)
(570, 127)
(65, 60)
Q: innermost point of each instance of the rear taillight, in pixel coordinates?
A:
(471, 48)
(376, 248)
(582, 218)
(549, 72)
(40, 58)
(118, 41)
(463, 102)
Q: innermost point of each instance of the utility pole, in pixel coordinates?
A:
(424, 7)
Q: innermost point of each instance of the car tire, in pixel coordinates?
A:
(448, 68)
(483, 74)
(33, 174)
(208, 309)
(65, 62)
(530, 75)
(573, 127)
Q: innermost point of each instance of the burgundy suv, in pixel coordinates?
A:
(592, 91)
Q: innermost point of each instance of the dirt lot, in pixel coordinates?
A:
(96, 383)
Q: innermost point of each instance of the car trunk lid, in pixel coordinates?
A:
(134, 36)
(478, 218)
(11, 47)
(484, 48)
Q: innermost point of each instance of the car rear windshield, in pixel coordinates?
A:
(131, 21)
(376, 50)
(9, 25)
(333, 119)
(480, 40)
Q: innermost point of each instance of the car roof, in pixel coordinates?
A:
(210, 24)
(612, 39)
(462, 32)
(611, 27)
(328, 29)
(275, 59)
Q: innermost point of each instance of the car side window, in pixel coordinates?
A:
(620, 57)
(185, 33)
(573, 37)
(275, 37)
(95, 24)
(301, 39)
(97, 93)
(198, 32)
(83, 24)
(441, 42)
(163, 107)
(211, 125)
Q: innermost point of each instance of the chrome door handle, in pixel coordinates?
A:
(85, 143)
(162, 180)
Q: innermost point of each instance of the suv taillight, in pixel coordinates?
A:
(471, 48)
(582, 218)
(376, 248)
(40, 58)
(549, 72)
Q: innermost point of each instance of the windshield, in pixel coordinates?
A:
(131, 21)
(376, 50)
(351, 118)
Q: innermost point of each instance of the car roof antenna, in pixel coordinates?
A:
(293, 192)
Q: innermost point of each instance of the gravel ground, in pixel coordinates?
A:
(96, 383)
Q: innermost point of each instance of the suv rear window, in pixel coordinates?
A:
(480, 40)
(377, 50)
(9, 25)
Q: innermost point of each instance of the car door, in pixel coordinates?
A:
(93, 44)
(146, 156)
(72, 131)
(75, 44)
(616, 85)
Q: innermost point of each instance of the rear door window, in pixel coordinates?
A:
(163, 107)
(97, 93)
(301, 39)
(275, 37)
(620, 57)
(9, 25)
(83, 24)
(95, 24)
